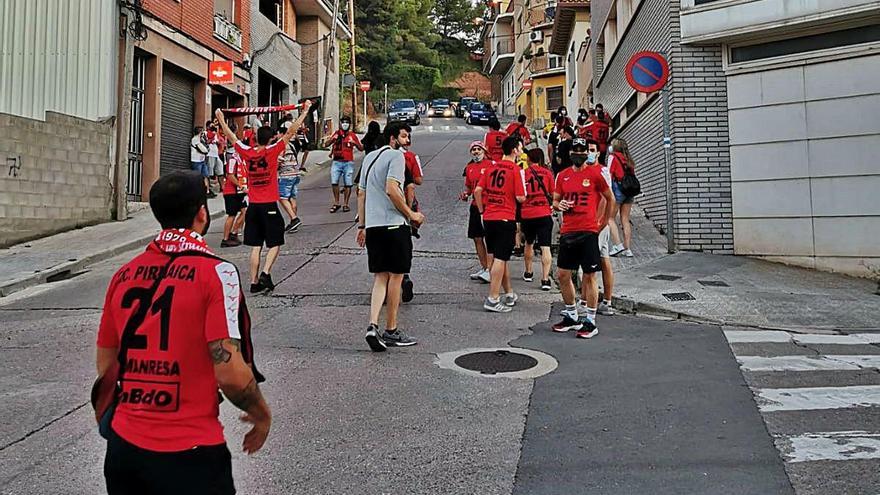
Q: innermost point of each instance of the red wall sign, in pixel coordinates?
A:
(365, 85)
(221, 72)
(527, 84)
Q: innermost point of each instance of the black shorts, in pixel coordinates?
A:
(263, 225)
(538, 231)
(579, 250)
(500, 238)
(235, 203)
(475, 223)
(389, 249)
(129, 469)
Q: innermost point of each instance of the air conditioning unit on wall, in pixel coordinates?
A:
(536, 36)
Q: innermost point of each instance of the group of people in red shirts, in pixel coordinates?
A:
(514, 192)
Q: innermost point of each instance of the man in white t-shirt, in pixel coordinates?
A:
(214, 163)
(198, 155)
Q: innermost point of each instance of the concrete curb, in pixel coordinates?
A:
(61, 270)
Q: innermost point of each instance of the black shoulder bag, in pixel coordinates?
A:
(629, 184)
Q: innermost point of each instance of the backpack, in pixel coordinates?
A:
(629, 184)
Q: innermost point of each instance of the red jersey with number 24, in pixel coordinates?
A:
(583, 189)
(262, 170)
(169, 394)
(501, 184)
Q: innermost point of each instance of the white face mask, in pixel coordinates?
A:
(345, 126)
(610, 149)
(478, 156)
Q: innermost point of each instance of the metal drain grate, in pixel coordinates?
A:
(492, 362)
(669, 278)
(713, 283)
(679, 296)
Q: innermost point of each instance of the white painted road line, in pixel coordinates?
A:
(814, 398)
(809, 363)
(831, 446)
(763, 336)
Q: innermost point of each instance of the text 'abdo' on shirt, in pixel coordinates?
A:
(501, 184)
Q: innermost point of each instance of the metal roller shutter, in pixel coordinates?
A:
(178, 105)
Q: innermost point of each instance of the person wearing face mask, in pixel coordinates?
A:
(472, 172)
(563, 113)
(199, 325)
(620, 162)
(594, 159)
(384, 221)
(343, 142)
(562, 160)
(537, 217)
(578, 192)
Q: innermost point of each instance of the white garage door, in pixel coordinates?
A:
(805, 163)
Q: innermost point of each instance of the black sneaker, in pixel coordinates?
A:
(229, 242)
(257, 288)
(588, 329)
(294, 225)
(567, 324)
(373, 340)
(528, 276)
(407, 287)
(518, 251)
(397, 339)
(266, 281)
(546, 284)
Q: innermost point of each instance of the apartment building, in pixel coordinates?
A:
(571, 40)
(276, 59)
(701, 177)
(58, 71)
(803, 104)
(170, 91)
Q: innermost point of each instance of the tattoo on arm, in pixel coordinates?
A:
(220, 354)
(247, 397)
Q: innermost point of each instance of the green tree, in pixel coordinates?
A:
(455, 19)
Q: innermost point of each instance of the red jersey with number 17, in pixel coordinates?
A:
(168, 401)
(583, 188)
(536, 205)
(501, 184)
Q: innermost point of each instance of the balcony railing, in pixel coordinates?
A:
(542, 63)
(504, 47)
(227, 31)
(541, 15)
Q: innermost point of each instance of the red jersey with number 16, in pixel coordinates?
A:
(583, 188)
(168, 401)
(501, 184)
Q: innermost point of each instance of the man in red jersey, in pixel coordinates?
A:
(343, 142)
(499, 190)
(519, 128)
(537, 216)
(176, 324)
(493, 141)
(234, 197)
(413, 177)
(472, 173)
(263, 222)
(579, 189)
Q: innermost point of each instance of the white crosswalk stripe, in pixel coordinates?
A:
(449, 129)
(835, 374)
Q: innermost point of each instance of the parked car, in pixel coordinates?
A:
(481, 113)
(440, 108)
(404, 111)
(463, 106)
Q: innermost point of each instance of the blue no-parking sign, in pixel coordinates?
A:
(647, 72)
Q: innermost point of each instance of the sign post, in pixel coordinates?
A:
(365, 86)
(648, 72)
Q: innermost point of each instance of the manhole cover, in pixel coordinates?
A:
(505, 362)
(668, 278)
(679, 296)
(500, 361)
(713, 283)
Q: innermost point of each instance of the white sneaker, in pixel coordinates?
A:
(496, 307)
(605, 309)
(476, 275)
(510, 299)
(615, 250)
(626, 253)
(485, 276)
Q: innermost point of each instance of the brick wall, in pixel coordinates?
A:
(702, 210)
(281, 58)
(195, 19)
(56, 175)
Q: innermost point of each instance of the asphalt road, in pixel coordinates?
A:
(646, 407)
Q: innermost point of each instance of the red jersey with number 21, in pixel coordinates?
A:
(169, 394)
(583, 189)
(501, 184)
(262, 170)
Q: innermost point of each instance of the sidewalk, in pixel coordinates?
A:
(62, 255)
(736, 290)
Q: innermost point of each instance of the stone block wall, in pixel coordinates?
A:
(55, 175)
